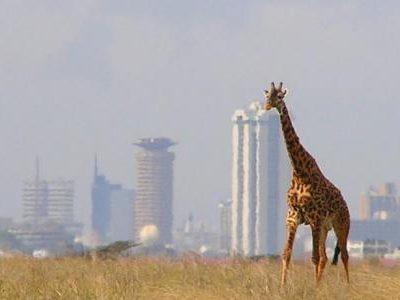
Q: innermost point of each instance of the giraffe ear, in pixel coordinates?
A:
(285, 91)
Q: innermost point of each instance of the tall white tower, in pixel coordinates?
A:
(260, 179)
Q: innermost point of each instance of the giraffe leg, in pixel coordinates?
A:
(315, 230)
(322, 253)
(342, 232)
(344, 255)
(287, 252)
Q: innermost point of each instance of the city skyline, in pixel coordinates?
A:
(85, 77)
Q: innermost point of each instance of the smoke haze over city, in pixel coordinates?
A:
(84, 77)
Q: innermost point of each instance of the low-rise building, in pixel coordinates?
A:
(368, 248)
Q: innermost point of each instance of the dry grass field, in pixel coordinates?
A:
(191, 278)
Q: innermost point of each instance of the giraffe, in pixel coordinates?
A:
(312, 199)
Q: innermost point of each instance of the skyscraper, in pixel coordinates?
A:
(60, 201)
(153, 205)
(102, 190)
(48, 214)
(121, 215)
(34, 200)
(260, 179)
(45, 200)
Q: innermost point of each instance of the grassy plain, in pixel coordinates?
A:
(188, 278)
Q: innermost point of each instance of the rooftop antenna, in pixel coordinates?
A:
(37, 169)
(96, 169)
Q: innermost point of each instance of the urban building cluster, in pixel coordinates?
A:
(379, 222)
(251, 220)
(48, 215)
(117, 213)
(144, 214)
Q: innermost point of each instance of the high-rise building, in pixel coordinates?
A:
(35, 197)
(48, 214)
(121, 215)
(105, 205)
(154, 189)
(382, 203)
(60, 201)
(225, 225)
(260, 179)
(48, 200)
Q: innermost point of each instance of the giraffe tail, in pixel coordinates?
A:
(336, 254)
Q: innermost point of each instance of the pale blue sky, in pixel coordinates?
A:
(80, 77)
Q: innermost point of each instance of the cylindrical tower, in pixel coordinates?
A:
(153, 204)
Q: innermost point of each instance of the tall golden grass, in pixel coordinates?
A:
(188, 278)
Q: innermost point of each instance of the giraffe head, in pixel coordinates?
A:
(274, 96)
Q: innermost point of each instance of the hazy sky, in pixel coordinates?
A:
(81, 77)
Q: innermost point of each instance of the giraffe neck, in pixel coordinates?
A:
(300, 159)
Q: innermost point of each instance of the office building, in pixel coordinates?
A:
(197, 237)
(385, 230)
(112, 209)
(48, 200)
(60, 201)
(44, 234)
(48, 214)
(260, 179)
(225, 225)
(154, 188)
(382, 203)
(121, 215)
(379, 216)
(34, 198)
